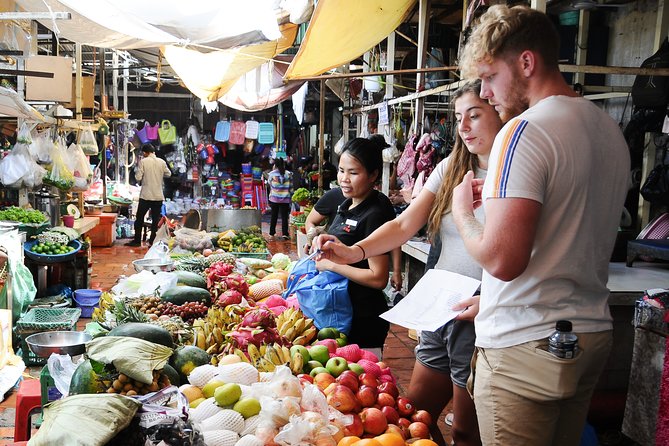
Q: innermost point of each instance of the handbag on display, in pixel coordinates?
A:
(167, 132)
(222, 133)
(142, 134)
(152, 131)
(322, 295)
(248, 145)
(266, 133)
(656, 187)
(237, 132)
(251, 129)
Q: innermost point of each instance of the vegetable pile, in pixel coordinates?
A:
(21, 215)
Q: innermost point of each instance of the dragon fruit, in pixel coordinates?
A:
(235, 281)
(275, 301)
(217, 272)
(243, 336)
(230, 297)
(258, 318)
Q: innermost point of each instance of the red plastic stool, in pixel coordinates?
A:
(28, 399)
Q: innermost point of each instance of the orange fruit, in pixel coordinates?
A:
(367, 442)
(348, 441)
(390, 439)
(424, 442)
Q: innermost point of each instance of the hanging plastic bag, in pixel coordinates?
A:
(15, 166)
(24, 137)
(78, 164)
(87, 141)
(22, 285)
(59, 175)
(167, 133)
(40, 149)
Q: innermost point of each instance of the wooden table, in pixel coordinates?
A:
(84, 224)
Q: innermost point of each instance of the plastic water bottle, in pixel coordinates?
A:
(563, 343)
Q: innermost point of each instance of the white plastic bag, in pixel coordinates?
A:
(87, 141)
(145, 283)
(61, 369)
(15, 166)
(78, 164)
(59, 175)
(40, 149)
(159, 250)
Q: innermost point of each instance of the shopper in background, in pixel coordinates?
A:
(280, 185)
(329, 170)
(151, 173)
(442, 357)
(559, 175)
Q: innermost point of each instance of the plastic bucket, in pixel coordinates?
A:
(87, 300)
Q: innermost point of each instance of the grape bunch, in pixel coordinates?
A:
(149, 305)
(188, 311)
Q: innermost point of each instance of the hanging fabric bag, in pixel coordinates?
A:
(251, 129)
(222, 133)
(142, 134)
(152, 131)
(266, 133)
(237, 132)
(167, 133)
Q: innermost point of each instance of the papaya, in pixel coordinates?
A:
(190, 278)
(86, 380)
(186, 358)
(179, 295)
(148, 332)
(172, 374)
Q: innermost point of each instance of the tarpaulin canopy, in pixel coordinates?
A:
(262, 88)
(131, 24)
(11, 104)
(209, 76)
(342, 30)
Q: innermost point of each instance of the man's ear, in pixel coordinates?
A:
(527, 62)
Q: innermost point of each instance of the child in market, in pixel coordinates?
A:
(280, 184)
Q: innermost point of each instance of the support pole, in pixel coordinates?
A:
(321, 138)
(77, 83)
(423, 20)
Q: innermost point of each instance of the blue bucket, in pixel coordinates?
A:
(87, 300)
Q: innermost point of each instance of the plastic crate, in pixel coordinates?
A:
(39, 320)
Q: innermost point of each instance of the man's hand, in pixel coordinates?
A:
(467, 195)
(470, 307)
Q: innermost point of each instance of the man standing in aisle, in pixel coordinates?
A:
(150, 173)
(553, 198)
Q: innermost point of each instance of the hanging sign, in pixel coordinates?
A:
(383, 114)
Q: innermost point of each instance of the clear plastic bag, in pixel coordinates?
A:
(160, 251)
(40, 149)
(78, 164)
(15, 166)
(61, 369)
(87, 141)
(59, 175)
(145, 283)
(192, 239)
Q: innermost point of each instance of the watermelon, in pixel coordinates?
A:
(86, 379)
(179, 295)
(189, 278)
(186, 358)
(148, 332)
(172, 374)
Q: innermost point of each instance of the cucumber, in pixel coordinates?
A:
(190, 279)
(179, 295)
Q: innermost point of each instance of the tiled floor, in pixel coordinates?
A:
(109, 263)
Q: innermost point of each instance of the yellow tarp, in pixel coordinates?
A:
(210, 75)
(341, 30)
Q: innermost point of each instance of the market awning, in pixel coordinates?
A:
(11, 104)
(342, 30)
(211, 75)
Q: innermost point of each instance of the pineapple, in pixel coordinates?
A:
(225, 258)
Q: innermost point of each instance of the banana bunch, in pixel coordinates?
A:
(225, 244)
(266, 357)
(295, 327)
(106, 303)
(209, 332)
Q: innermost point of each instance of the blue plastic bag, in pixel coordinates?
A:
(322, 295)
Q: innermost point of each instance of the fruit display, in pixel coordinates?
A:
(248, 240)
(50, 248)
(187, 312)
(148, 305)
(295, 327)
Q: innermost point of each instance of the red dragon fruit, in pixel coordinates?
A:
(235, 281)
(217, 272)
(230, 297)
(258, 318)
(243, 336)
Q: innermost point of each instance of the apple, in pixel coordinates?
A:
(329, 389)
(355, 428)
(395, 429)
(367, 379)
(389, 388)
(310, 365)
(323, 379)
(331, 344)
(302, 350)
(336, 365)
(327, 333)
(319, 370)
(341, 342)
(350, 373)
(345, 379)
(403, 422)
(342, 399)
(305, 377)
(418, 429)
(405, 407)
(367, 396)
(423, 416)
(382, 365)
(391, 415)
(387, 379)
(385, 399)
(373, 421)
(357, 368)
(319, 353)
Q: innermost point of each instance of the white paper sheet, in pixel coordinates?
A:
(428, 304)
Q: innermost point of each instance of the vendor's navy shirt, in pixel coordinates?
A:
(351, 226)
(328, 204)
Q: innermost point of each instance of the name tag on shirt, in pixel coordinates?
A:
(350, 222)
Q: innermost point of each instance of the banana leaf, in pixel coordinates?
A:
(133, 357)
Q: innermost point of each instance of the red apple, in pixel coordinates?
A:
(342, 399)
(390, 388)
(366, 395)
(351, 373)
(405, 407)
(385, 399)
(323, 380)
(367, 379)
(395, 429)
(305, 377)
(373, 421)
(418, 429)
(403, 422)
(354, 428)
(391, 414)
(423, 416)
(329, 389)
(382, 364)
(387, 379)
(349, 381)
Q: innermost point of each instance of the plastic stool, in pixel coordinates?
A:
(28, 399)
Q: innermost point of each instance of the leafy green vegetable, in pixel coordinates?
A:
(21, 215)
(301, 194)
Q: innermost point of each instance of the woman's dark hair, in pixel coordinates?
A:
(367, 153)
(280, 165)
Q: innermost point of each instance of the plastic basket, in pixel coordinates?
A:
(38, 320)
(87, 300)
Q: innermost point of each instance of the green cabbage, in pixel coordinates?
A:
(280, 261)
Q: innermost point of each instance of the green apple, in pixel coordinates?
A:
(310, 365)
(357, 368)
(328, 333)
(336, 365)
(302, 350)
(319, 353)
(318, 370)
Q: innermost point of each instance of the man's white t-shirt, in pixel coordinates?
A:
(571, 157)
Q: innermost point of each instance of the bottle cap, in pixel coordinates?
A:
(563, 325)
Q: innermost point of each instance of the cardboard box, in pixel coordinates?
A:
(58, 88)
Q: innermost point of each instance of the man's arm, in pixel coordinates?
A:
(166, 170)
(139, 173)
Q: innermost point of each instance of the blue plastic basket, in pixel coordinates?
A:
(87, 300)
(56, 258)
